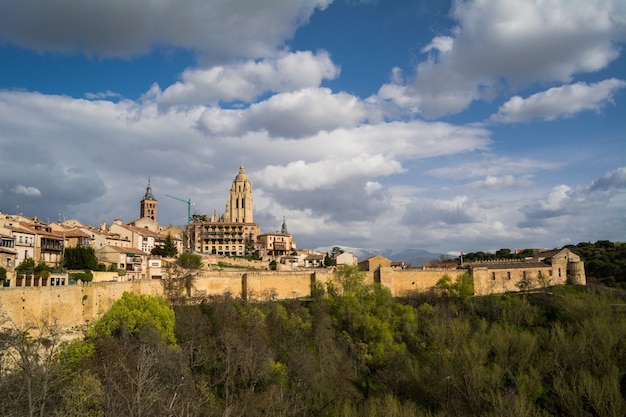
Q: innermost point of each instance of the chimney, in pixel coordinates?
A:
(103, 226)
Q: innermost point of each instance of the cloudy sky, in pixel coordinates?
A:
(438, 125)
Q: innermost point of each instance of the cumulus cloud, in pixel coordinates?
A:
(499, 45)
(247, 80)
(303, 176)
(564, 101)
(564, 200)
(290, 115)
(27, 191)
(432, 212)
(221, 28)
(615, 179)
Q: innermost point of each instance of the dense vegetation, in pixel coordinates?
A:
(605, 261)
(352, 350)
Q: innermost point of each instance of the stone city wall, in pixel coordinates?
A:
(73, 306)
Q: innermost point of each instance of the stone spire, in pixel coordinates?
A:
(148, 204)
(239, 204)
(148, 195)
(284, 227)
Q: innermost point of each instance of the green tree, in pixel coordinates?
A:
(249, 244)
(461, 288)
(168, 249)
(189, 261)
(328, 260)
(134, 315)
(27, 265)
(85, 276)
(79, 258)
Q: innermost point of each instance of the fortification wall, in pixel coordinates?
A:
(72, 306)
(402, 282)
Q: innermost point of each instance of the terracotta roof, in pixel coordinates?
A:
(120, 249)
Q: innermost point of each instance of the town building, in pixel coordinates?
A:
(233, 233)
(373, 263)
(131, 260)
(276, 244)
(545, 267)
(346, 258)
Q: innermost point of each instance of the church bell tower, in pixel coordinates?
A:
(239, 204)
(148, 205)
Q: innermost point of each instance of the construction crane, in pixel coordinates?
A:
(189, 204)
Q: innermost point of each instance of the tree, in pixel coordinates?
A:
(328, 260)
(336, 251)
(29, 353)
(249, 244)
(3, 273)
(85, 276)
(461, 288)
(27, 265)
(134, 315)
(198, 218)
(168, 249)
(180, 276)
(80, 257)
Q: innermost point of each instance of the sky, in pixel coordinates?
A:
(439, 125)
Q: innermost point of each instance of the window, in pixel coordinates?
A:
(493, 276)
(508, 275)
(559, 272)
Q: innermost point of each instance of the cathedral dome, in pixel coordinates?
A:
(242, 174)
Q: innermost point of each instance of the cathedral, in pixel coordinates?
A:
(233, 233)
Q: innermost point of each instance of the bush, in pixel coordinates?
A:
(85, 276)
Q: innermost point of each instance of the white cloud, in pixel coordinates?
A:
(247, 80)
(303, 176)
(101, 95)
(290, 115)
(28, 191)
(615, 179)
(498, 182)
(221, 28)
(510, 44)
(556, 102)
(602, 194)
(494, 166)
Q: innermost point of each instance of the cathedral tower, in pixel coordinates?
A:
(239, 204)
(148, 205)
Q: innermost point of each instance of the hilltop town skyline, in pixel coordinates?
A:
(444, 126)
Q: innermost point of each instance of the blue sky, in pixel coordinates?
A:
(438, 125)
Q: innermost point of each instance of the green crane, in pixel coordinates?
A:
(189, 204)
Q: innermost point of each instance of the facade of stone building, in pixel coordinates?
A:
(544, 268)
(131, 260)
(346, 258)
(373, 263)
(233, 232)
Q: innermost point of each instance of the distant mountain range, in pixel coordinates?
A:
(413, 257)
